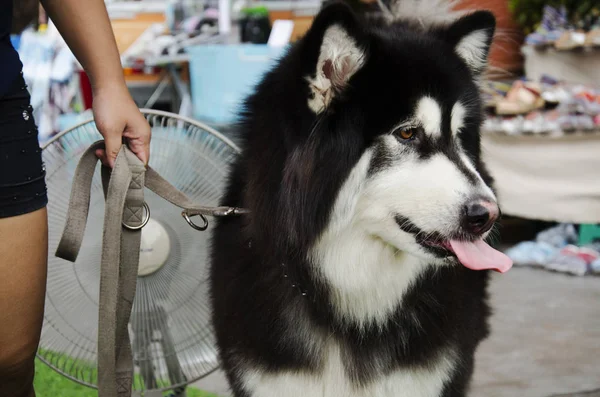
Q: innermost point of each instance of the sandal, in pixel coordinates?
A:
(522, 98)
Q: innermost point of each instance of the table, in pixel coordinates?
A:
(549, 178)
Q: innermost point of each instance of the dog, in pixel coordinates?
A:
(361, 269)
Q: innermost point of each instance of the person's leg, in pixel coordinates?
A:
(23, 242)
(23, 259)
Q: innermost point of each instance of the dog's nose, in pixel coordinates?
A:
(479, 216)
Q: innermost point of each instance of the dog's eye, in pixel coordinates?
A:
(406, 134)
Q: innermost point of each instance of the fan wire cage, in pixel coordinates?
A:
(170, 328)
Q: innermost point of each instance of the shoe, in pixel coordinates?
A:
(569, 41)
(570, 264)
(554, 23)
(531, 253)
(522, 98)
(559, 236)
(595, 267)
(592, 38)
(587, 253)
(574, 260)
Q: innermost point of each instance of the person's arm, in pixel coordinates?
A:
(86, 28)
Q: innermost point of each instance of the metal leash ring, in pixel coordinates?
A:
(144, 221)
(188, 219)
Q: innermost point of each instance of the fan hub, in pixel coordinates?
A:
(154, 248)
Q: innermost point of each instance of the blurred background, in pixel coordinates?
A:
(541, 141)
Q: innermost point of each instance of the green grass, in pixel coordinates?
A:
(49, 383)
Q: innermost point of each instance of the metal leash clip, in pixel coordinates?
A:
(188, 214)
(230, 211)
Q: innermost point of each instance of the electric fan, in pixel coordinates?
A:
(170, 328)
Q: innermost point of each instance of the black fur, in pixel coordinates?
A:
(289, 173)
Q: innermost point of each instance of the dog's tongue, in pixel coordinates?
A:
(478, 255)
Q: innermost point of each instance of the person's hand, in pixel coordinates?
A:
(118, 117)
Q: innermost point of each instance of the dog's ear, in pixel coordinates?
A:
(335, 50)
(471, 36)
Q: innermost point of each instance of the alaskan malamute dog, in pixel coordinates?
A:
(362, 268)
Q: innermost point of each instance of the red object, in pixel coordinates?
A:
(590, 97)
(587, 254)
(86, 90)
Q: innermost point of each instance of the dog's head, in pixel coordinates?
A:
(392, 112)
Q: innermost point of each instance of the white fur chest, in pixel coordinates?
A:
(333, 381)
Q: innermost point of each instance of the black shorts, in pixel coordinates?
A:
(22, 172)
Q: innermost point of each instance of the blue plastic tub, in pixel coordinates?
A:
(15, 40)
(223, 75)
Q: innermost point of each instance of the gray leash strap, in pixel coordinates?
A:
(124, 218)
(124, 192)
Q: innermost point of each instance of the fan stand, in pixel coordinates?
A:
(142, 341)
(154, 252)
